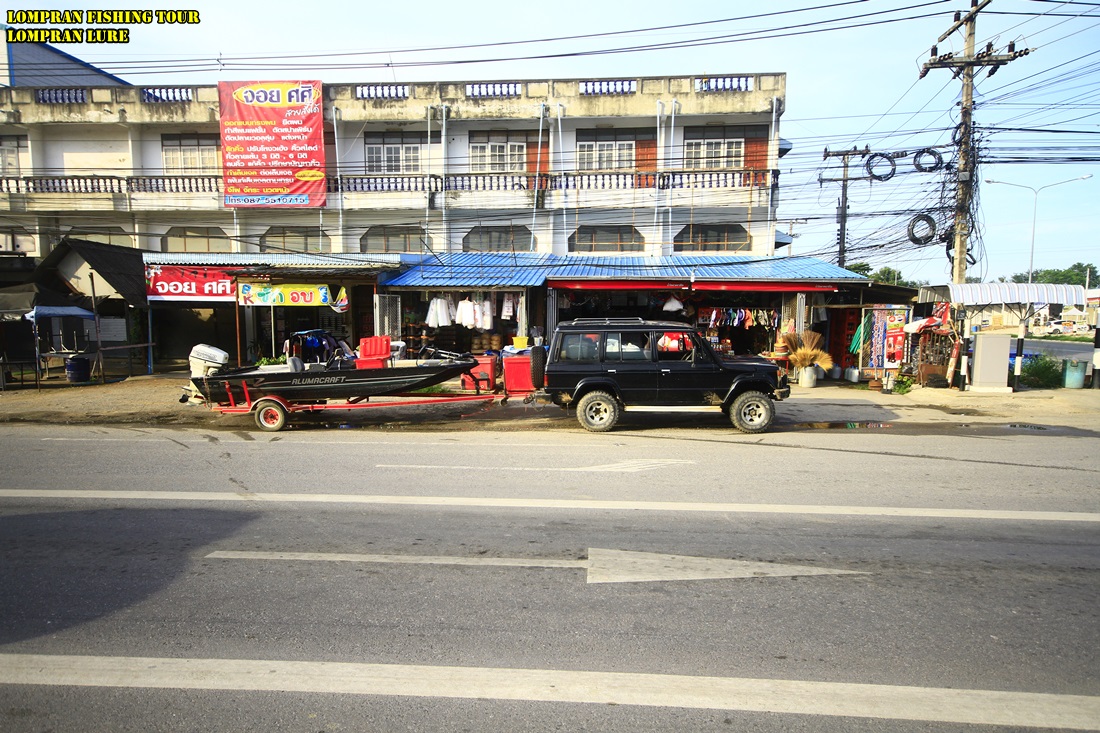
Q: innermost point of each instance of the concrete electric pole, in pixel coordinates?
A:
(842, 208)
(964, 67)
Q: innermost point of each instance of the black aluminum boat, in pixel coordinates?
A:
(338, 379)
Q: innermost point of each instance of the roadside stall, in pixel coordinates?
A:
(972, 302)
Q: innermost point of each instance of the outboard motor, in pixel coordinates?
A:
(203, 360)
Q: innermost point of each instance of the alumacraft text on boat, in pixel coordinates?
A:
(318, 380)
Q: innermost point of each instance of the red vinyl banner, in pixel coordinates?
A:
(273, 147)
(173, 282)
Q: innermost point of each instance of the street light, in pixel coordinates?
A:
(1035, 211)
(1030, 267)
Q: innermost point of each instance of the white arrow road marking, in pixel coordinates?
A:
(633, 466)
(934, 704)
(491, 502)
(603, 566)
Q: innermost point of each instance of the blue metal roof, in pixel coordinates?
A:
(699, 268)
(474, 270)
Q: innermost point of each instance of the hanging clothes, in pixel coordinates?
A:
(464, 313)
(486, 315)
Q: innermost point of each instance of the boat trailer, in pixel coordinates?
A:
(272, 411)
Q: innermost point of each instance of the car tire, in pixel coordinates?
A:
(270, 416)
(752, 412)
(598, 412)
(538, 367)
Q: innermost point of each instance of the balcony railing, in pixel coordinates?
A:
(497, 182)
(408, 183)
(175, 184)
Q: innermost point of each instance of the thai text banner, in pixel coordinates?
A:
(172, 282)
(267, 294)
(273, 147)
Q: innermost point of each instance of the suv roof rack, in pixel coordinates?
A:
(609, 321)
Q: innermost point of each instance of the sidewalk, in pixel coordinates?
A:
(154, 401)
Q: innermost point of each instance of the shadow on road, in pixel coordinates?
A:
(63, 569)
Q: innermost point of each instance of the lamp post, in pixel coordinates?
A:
(1030, 266)
(1035, 211)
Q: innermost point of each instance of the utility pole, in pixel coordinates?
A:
(964, 66)
(842, 209)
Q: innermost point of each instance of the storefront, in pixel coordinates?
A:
(249, 304)
(741, 303)
(466, 301)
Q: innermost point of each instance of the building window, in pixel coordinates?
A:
(396, 152)
(606, 239)
(721, 146)
(104, 235)
(498, 239)
(502, 151)
(16, 239)
(623, 149)
(295, 239)
(714, 154)
(10, 148)
(195, 239)
(712, 238)
(395, 239)
(191, 154)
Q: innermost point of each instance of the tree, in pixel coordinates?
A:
(860, 268)
(890, 276)
(1076, 274)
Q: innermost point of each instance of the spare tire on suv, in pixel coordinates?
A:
(604, 367)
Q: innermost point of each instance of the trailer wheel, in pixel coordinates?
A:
(270, 416)
(598, 412)
(752, 412)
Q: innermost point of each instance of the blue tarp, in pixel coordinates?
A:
(58, 311)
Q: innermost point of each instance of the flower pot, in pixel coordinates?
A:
(807, 377)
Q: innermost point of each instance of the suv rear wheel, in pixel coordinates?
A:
(752, 412)
(598, 412)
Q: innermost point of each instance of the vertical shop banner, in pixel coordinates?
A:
(172, 282)
(273, 147)
(895, 338)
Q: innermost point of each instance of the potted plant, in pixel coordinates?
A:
(806, 355)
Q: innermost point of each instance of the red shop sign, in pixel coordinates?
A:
(173, 282)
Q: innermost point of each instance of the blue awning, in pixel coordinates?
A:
(700, 268)
(474, 270)
(527, 269)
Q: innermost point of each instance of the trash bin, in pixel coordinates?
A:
(78, 369)
(1073, 373)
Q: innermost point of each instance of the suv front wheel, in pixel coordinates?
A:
(598, 412)
(752, 412)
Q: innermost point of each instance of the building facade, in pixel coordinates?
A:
(650, 166)
(577, 175)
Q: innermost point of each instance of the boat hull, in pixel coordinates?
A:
(241, 386)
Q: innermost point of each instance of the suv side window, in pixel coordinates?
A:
(626, 346)
(672, 346)
(579, 347)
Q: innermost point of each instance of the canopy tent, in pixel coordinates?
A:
(58, 311)
(1021, 298)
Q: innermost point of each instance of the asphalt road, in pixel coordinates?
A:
(660, 579)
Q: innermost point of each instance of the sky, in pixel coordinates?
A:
(852, 81)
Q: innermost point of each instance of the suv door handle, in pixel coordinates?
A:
(610, 371)
(666, 371)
